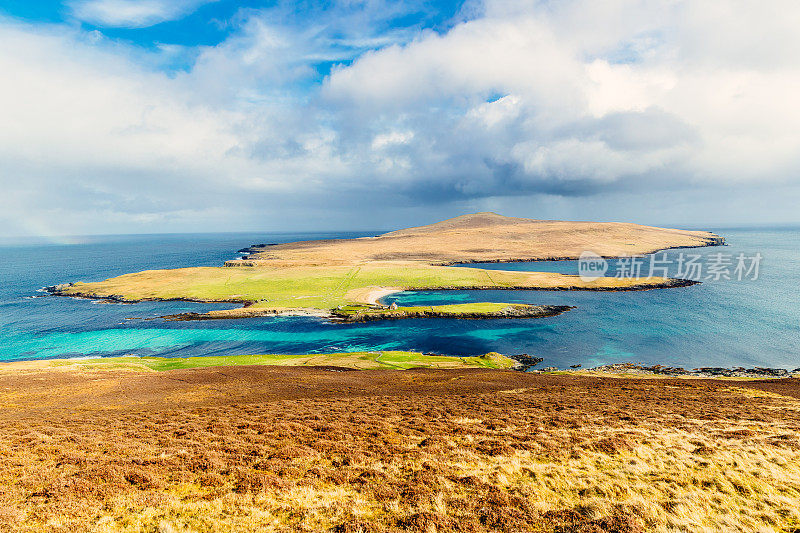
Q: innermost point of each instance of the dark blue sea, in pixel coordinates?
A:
(721, 322)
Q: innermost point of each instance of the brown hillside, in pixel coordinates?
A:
(483, 237)
(314, 449)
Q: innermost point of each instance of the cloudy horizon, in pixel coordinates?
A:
(147, 116)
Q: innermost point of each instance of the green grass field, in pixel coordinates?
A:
(466, 310)
(324, 287)
(447, 309)
(397, 360)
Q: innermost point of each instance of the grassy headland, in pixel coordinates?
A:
(360, 313)
(320, 276)
(390, 360)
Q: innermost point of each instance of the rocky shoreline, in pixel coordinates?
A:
(705, 372)
(669, 283)
(263, 247)
(512, 311)
(60, 290)
(370, 314)
(244, 312)
(709, 241)
(527, 363)
(250, 312)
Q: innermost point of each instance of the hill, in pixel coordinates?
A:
(273, 448)
(487, 237)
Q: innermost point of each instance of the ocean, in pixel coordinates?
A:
(720, 322)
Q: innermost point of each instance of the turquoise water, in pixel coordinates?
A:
(719, 323)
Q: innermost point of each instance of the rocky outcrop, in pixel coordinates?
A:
(62, 290)
(524, 361)
(512, 311)
(733, 372)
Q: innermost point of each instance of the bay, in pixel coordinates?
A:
(720, 322)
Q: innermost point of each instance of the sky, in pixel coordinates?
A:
(150, 116)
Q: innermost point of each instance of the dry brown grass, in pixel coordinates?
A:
(298, 449)
(487, 237)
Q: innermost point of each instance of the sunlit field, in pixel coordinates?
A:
(269, 448)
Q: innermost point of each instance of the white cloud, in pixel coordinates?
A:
(132, 13)
(87, 129)
(571, 68)
(391, 138)
(569, 99)
(496, 112)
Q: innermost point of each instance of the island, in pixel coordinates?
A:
(346, 278)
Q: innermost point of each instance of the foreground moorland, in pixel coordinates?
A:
(318, 277)
(273, 448)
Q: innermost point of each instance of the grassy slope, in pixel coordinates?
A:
(486, 237)
(358, 360)
(293, 449)
(324, 287)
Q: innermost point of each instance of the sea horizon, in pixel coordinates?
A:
(680, 225)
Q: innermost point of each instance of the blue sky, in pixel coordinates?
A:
(210, 22)
(174, 36)
(198, 115)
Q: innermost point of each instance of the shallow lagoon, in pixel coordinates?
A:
(719, 323)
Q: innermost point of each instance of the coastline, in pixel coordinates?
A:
(373, 299)
(371, 360)
(711, 241)
(319, 278)
(476, 311)
(373, 295)
(247, 311)
(370, 298)
(486, 237)
(632, 370)
(398, 360)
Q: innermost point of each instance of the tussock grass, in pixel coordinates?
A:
(560, 454)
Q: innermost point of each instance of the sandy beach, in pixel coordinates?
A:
(372, 295)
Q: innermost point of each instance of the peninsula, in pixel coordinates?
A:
(344, 278)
